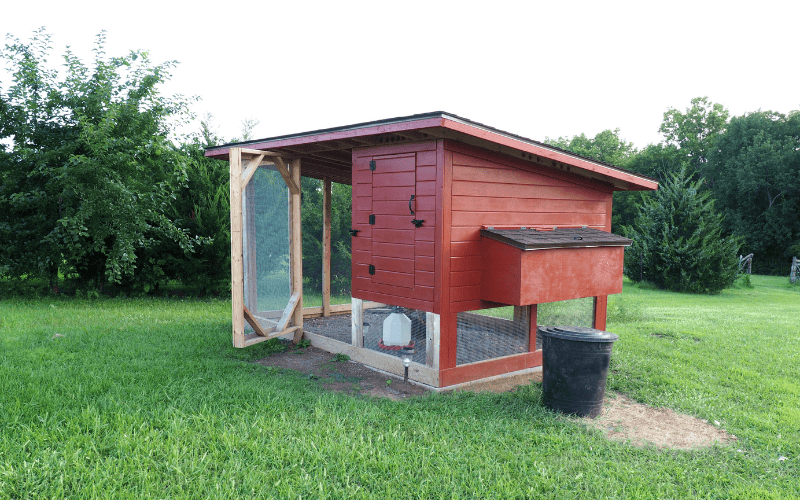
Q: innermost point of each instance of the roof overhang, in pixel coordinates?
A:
(327, 153)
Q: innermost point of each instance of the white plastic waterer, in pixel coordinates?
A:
(397, 328)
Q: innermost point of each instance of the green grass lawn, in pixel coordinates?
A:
(144, 398)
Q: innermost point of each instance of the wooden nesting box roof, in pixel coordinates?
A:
(573, 237)
(327, 153)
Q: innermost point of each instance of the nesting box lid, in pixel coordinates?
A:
(572, 237)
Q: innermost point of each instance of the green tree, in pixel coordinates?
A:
(606, 146)
(678, 241)
(755, 170)
(695, 130)
(341, 222)
(657, 161)
(91, 171)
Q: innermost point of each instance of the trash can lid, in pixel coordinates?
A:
(577, 333)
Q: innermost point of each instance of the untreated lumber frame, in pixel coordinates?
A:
(239, 180)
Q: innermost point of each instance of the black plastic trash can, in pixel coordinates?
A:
(574, 368)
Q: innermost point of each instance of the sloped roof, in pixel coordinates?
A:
(328, 152)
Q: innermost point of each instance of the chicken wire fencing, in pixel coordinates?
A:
(575, 312)
(339, 327)
(491, 333)
(313, 242)
(504, 331)
(266, 245)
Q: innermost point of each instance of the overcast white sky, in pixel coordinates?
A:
(536, 69)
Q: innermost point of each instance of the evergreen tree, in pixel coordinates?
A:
(677, 240)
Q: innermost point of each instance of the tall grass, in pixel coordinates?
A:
(147, 399)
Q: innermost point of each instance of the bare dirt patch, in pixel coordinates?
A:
(341, 375)
(626, 420)
(622, 419)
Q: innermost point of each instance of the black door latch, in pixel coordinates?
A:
(354, 232)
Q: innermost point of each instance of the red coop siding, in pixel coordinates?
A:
(493, 190)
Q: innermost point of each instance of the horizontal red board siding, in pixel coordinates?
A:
(424, 263)
(473, 219)
(468, 188)
(394, 279)
(394, 193)
(490, 204)
(424, 278)
(426, 158)
(393, 264)
(391, 180)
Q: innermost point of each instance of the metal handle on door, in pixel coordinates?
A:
(409, 204)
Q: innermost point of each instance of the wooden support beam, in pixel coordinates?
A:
(252, 166)
(258, 152)
(296, 252)
(288, 178)
(237, 267)
(252, 321)
(288, 312)
(326, 248)
(255, 339)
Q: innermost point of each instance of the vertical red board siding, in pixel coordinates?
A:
(403, 255)
(489, 189)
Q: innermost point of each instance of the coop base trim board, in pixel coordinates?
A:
(485, 369)
(382, 362)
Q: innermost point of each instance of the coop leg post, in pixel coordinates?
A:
(357, 322)
(432, 340)
(600, 309)
(533, 327)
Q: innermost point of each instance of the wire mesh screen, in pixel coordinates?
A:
(374, 319)
(491, 333)
(266, 255)
(576, 312)
(313, 211)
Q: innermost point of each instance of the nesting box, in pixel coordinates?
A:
(449, 218)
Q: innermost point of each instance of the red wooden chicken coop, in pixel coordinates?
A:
(462, 234)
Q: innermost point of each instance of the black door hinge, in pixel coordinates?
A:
(371, 269)
(372, 219)
(372, 165)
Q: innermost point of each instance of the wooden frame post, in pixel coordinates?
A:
(326, 248)
(357, 322)
(433, 340)
(296, 254)
(237, 265)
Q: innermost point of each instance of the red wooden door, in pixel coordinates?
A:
(393, 242)
(392, 257)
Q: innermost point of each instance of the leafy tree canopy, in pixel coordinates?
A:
(606, 146)
(91, 171)
(695, 130)
(755, 169)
